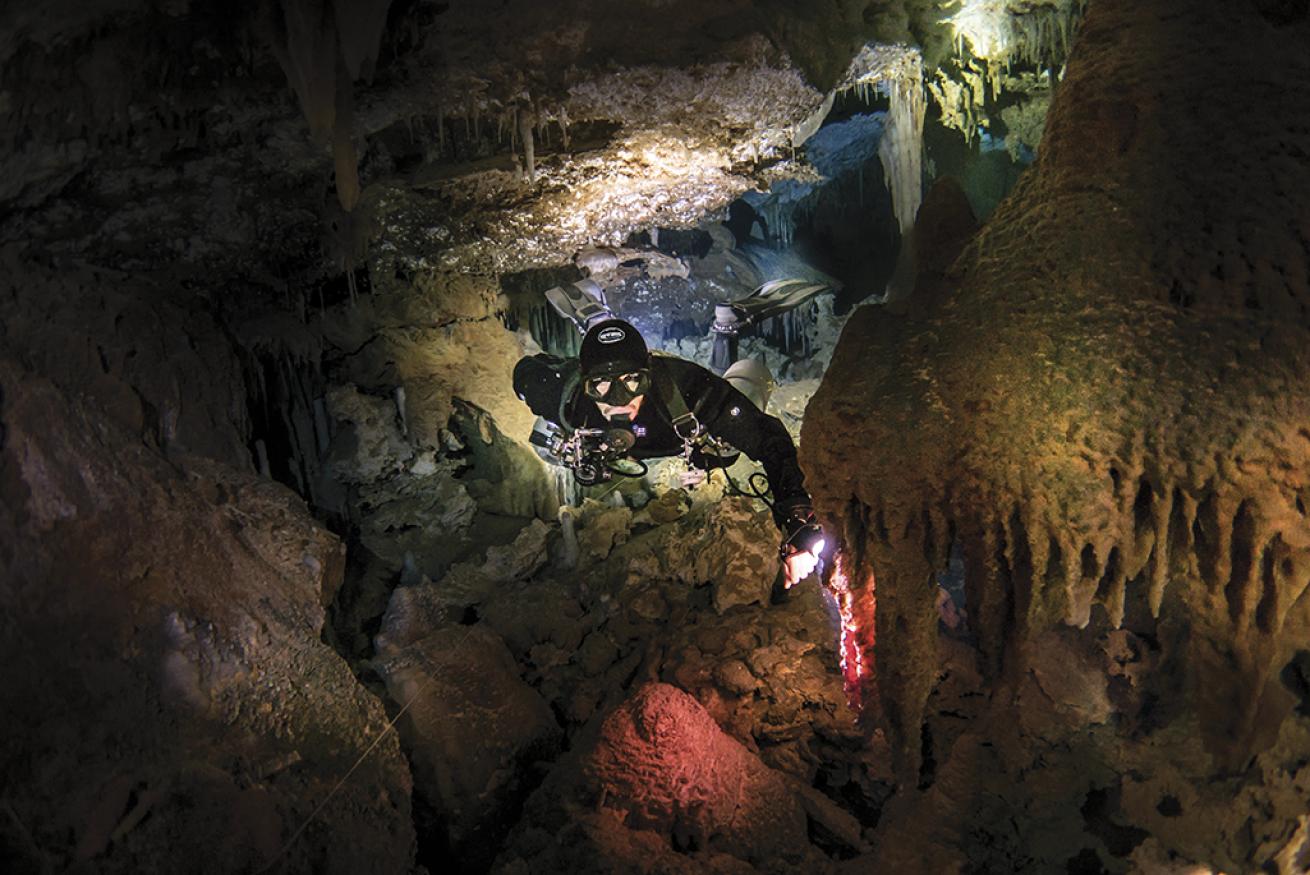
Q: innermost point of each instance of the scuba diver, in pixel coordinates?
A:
(617, 401)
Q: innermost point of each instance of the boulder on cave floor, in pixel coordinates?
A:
(730, 544)
(474, 731)
(661, 788)
(169, 702)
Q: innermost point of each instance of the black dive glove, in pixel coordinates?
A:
(803, 532)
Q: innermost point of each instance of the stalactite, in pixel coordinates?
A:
(901, 149)
(567, 518)
(552, 333)
(906, 624)
(525, 134)
(304, 41)
(261, 458)
(792, 332)
(988, 45)
(360, 24)
(322, 428)
(402, 415)
(853, 594)
(344, 158)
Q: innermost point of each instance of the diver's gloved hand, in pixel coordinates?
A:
(803, 547)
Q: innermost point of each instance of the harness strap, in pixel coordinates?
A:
(567, 399)
(675, 403)
(696, 439)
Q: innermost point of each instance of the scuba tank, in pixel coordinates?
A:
(751, 378)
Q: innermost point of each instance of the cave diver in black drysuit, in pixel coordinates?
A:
(618, 402)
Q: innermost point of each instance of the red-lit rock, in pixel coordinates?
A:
(662, 788)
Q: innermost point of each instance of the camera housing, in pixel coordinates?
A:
(589, 452)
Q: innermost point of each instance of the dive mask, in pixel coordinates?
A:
(617, 389)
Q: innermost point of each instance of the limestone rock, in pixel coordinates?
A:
(521, 558)
(740, 555)
(602, 530)
(507, 478)
(668, 506)
(730, 544)
(597, 262)
(1068, 684)
(417, 610)
(663, 764)
(162, 372)
(371, 446)
(437, 336)
(170, 613)
(735, 677)
(473, 728)
(659, 777)
(527, 613)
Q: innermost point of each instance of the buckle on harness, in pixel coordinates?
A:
(693, 434)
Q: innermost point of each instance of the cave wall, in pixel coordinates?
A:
(157, 363)
(1102, 402)
(169, 699)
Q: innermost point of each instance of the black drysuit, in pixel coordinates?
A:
(721, 410)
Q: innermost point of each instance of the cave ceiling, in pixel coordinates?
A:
(287, 142)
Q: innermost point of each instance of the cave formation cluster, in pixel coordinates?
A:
(283, 586)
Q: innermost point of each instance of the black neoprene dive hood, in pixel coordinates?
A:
(612, 347)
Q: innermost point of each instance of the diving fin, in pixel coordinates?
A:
(582, 303)
(775, 298)
(771, 299)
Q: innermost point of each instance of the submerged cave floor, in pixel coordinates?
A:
(682, 601)
(516, 669)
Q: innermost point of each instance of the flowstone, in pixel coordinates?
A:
(1102, 404)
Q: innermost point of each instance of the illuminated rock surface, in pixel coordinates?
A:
(301, 243)
(1103, 405)
(662, 780)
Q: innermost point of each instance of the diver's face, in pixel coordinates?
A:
(618, 395)
(628, 410)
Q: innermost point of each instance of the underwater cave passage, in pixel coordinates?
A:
(471, 439)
